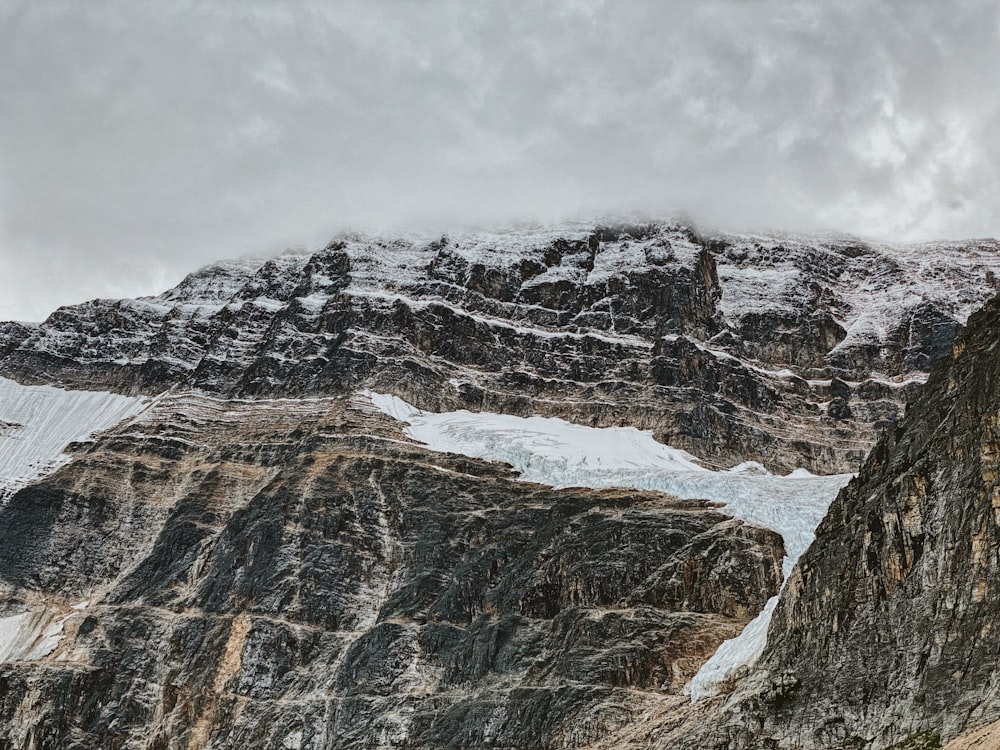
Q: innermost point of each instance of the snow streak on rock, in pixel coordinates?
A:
(38, 422)
(33, 634)
(561, 454)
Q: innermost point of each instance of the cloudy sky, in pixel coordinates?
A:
(141, 140)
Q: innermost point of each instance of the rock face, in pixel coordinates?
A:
(788, 351)
(886, 632)
(261, 559)
(275, 574)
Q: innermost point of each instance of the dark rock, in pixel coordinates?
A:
(264, 577)
(886, 628)
(578, 319)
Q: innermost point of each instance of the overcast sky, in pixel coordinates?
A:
(141, 140)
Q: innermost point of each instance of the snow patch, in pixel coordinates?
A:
(13, 630)
(48, 419)
(558, 453)
(544, 449)
(31, 635)
(742, 650)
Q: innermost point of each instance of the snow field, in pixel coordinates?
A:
(36, 425)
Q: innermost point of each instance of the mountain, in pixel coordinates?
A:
(518, 490)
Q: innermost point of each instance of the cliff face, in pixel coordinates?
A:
(887, 628)
(293, 574)
(789, 351)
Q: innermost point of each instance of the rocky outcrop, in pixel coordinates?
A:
(223, 573)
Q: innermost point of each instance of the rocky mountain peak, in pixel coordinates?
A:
(605, 323)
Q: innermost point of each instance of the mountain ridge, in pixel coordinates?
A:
(575, 324)
(260, 556)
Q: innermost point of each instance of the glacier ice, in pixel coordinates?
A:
(558, 453)
(41, 421)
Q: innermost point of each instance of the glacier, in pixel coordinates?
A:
(552, 451)
(38, 422)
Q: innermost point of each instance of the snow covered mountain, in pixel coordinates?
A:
(789, 351)
(264, 509)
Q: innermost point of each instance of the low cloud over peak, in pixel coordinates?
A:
(138, 142)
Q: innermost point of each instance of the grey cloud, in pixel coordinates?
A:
(140, 140)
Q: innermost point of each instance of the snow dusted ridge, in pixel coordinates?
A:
(38, 422)
(561, 454)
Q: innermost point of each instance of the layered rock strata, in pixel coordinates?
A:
(279, 574)
(886, 634)
(790, 351)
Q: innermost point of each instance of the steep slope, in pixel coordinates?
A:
(560, 454)
(887, 629)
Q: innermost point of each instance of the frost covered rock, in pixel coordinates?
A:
(724, 346)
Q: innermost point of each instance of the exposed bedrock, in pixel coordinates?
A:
(887, 631)
(291, 574)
